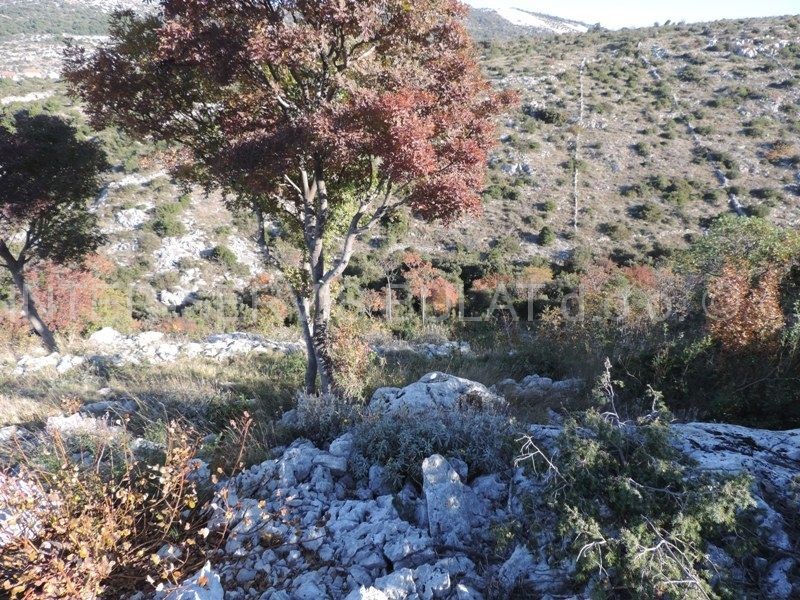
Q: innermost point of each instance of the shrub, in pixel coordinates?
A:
(224, 256)
(745, 315)
(400, 443)
(166, 219)
(636, 517)
(551, 116)
(352, 356)
(642, 149)
(548, 206)
(74, 300)
(428, 285)
(322, 419)
(547, 236)
(649, 212)
(100, 529)
(780, 151)
(616, 231)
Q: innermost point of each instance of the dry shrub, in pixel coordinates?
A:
(745, 314)
(178, 326)
(781, 150)
(375, 301)
(65, 296)
(14, 329)
(76, 300)
(490, 283)
(94, 527)
(533, 276)
(352, 356)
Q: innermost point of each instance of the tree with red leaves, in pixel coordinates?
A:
(46, 176)
(322, 116)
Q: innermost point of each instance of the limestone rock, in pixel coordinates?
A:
(435, 391)
(204, 585)
(453, 508)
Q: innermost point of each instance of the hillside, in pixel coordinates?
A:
(507, 23)
(676, 121)
(588, 389)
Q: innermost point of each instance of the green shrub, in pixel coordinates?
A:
(642, 149)
(400, 443)
(638, 518)
(224, 256)
(166, 220)
(551, 116)
(548, 206)
(649, 211)
(618, 232)
(547, 236)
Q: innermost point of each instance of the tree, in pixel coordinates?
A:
(427, 284)
(321, 116)
(46, 176)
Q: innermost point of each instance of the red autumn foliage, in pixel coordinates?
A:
(356, 84)
(66, 296)
(300, 108)
(428, 284)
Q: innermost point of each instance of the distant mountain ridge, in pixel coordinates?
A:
(504, 23)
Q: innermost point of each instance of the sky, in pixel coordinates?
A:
(637, 13)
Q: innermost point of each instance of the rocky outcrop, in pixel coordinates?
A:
(109, 346)
(302, 525)
(534, 388)
(435, 391)
(772, 457)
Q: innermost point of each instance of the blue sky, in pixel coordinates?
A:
(632, 13)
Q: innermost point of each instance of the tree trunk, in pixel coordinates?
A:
(321, 337)
(307, 328)
(29, 309)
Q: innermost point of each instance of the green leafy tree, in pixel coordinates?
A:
(46, 176)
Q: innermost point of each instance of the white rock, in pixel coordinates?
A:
(453, 508)
(435, 391)
(106, 337)
(79, 424)
(204, 585)
(365, 593)
(516, 568)
(343, 446)
(773, 457)
(778, 585)
(398, 585)
(336, 464)
(131, 218)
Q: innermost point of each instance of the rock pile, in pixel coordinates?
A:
(534, 388)
(109, 346)
(302, 527)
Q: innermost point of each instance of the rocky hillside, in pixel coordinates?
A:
(339, 517)
(508, 23)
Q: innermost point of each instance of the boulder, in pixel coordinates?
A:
(454, 510)
(435, 392)
(772, 457)
(106, 337)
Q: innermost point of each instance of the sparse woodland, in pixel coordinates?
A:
(258, 235)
